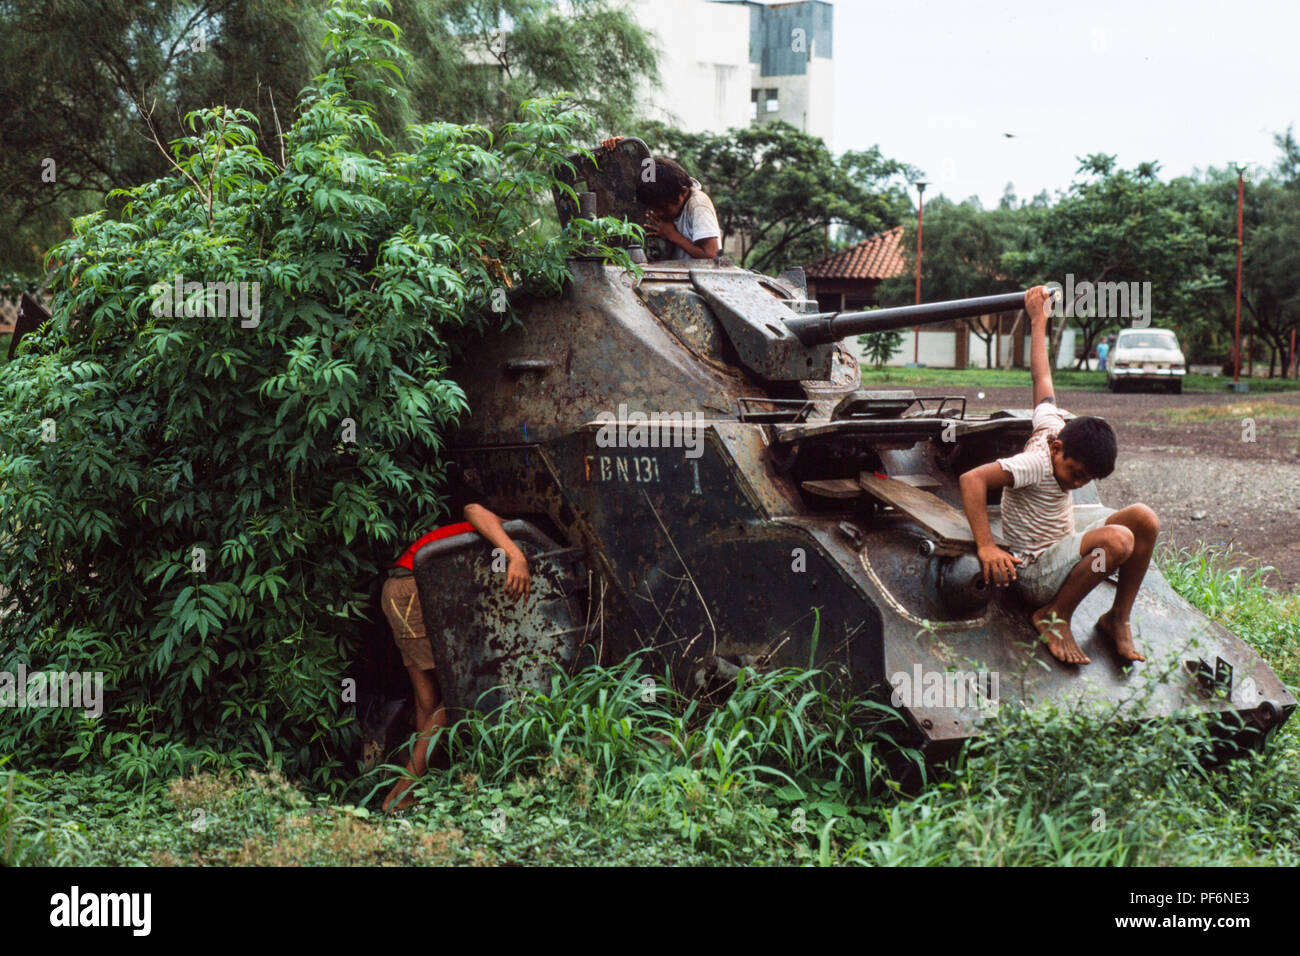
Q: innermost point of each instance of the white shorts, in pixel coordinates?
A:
(1041, 578)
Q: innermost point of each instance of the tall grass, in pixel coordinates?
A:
(778, 757)
(601, 769)
(1237, 598)
(30, 832)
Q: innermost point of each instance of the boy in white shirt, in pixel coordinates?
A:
(1059, 565)
(680, 210)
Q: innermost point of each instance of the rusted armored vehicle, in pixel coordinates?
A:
(692, 463)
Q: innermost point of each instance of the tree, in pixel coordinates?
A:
(98, 113)
(1117, 225)
(782, 192)
(962, 257)
(1271, 260)
(81, 76)
(193, 498)
(477, 60)
(879, 347)
(1270, 293)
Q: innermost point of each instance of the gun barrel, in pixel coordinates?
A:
(833, 326)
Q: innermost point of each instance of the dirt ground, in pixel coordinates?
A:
(1205, 481)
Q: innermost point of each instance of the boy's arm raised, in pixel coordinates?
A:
(1037, 302)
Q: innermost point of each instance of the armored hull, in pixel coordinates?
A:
(712, 505)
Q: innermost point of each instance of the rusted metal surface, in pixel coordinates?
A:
(720, 560)
(755, 322)
(704, 546)
(612, 175)
(488, 646)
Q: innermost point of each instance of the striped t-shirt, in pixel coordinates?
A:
(1036, 513)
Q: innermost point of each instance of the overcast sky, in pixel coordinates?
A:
(1190, 84)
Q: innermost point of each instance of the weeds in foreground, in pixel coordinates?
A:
(596, 771)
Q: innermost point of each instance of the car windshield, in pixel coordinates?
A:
(1147, 340)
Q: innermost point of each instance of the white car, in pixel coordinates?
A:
(1146, 355)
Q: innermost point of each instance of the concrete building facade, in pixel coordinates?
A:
(790, 50)
(704, 63)
(725, 64)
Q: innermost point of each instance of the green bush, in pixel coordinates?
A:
(191, 504)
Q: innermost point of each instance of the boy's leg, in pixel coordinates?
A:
(1102, 550)
(401, 604)
(1145, 526)
(429, 713)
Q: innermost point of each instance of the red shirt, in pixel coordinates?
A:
(407, 560)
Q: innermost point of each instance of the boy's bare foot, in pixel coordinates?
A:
(399, 790)
(1057, 634)
(1122, 635)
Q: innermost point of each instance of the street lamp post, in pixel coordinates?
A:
(920, 212)
(1236, 338)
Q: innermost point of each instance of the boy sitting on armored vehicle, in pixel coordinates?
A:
(401, 603)
(1059, 565)
(680, 210)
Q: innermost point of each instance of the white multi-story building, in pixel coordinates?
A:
(790, 47)
(726, 64)
(704, 63)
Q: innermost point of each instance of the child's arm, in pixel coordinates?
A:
(488, 525)
(1036, 304)
(704, 249)
(975, 485)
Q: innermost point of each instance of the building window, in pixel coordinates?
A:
(753, 104)
(772, 105)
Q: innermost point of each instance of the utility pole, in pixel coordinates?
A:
(920, 212)
(1236, 385)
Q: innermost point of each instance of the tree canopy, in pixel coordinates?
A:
(962, 257)
(1270, 252)
(1117, 225)
(196, 492)
(91, 88)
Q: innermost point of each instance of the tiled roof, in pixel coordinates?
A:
(880, 257)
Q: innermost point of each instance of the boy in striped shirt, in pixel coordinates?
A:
(1054, 564)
